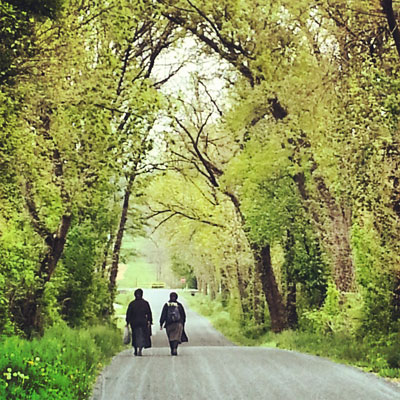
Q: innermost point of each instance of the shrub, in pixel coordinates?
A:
(329, 332)
(339, 315)
(63, 364)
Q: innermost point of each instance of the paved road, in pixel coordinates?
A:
(210, 367)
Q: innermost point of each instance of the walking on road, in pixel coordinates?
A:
(173, 317)
(140, 318)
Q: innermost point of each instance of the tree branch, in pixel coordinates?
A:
(124, 68)
(232, 58)
(37, 223)
(210, 97)
(174, 213)
(387, 6)
(207, 165)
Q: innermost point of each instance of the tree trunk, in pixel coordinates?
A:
(258, 301)
(396, 298)
(387, 6)
(274, 299)
(31, 308)
(56, 247)
(199, 284)
(224, 287)
(106, 253)
(338, 239)
(241, 284)
(291, 302)
(212, 290)
(120, 235)
(291, 306)
(333, 221)
(205, 288)
(263, 265)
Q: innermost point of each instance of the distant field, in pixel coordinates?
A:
(135, 272)
(138, 272)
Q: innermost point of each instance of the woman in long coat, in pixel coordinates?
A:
(175, 328)
(140, 318)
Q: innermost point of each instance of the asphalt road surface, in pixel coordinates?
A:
(210, 367)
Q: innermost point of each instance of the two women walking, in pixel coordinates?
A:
(139, 317)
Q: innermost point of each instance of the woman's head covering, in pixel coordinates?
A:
(173, 296)
(138, 293)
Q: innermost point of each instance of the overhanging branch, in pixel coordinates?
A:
(174, 213)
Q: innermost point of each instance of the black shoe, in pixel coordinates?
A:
(139, 352)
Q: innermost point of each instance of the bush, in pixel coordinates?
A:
(339, 314)
(63, 364)
(329, 332)
(228, 320)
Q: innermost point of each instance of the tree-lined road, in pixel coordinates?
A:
(209, 366)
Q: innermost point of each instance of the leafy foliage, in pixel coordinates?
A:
(74, 124)
(62, 364)
(275, 187)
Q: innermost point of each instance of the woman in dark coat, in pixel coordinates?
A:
(139, 316)
(173, 316)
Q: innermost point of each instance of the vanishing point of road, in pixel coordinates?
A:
(210, 367)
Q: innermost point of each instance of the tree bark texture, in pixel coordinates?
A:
(291, 295)
(273, 296)
(333, 221)
(242, 284)
(263, 266)
(224, 287)
(291, 302)
(56, 245)
(212, 290)
(205, 288)
(31, 308)
(120, 235)
(199, 284)
(338, 239)
(258, 301)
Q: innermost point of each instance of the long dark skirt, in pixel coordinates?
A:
(141, 337)
(176, 332)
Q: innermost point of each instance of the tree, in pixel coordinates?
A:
(80, 143)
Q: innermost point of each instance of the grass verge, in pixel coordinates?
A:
(61, 365)
(377, 355)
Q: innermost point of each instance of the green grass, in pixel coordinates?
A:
(225, 320)
(63, 364)
(380, 356)
(139, 272)
(122, 300)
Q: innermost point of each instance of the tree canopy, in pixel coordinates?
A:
(258, 140)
